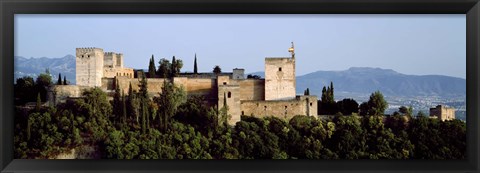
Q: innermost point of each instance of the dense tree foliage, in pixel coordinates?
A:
(173, 126)
(164, 70)
(250, 76)
(347, 106)
(26, 89)
(217, 70)
(327, 104)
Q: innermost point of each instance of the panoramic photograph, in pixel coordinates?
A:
(231, 86)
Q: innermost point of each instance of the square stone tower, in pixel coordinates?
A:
(89, 66)
(443, 113)
(280, 77)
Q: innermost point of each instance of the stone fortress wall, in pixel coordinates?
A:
(443, 113)
(279, 78)
(93, 64)
(89, 66)
(300, 105)
(272, 96)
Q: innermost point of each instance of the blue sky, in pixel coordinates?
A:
(410, 44)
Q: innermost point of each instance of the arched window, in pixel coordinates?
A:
(280, 69)
(229, 94)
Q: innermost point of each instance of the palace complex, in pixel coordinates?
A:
(273, 96)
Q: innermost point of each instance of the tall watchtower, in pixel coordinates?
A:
(89, 66)
(280, 77)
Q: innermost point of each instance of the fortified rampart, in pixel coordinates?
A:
(301, 105)
(443, 113)
(60, 93)
(272, 96)
(92, 65)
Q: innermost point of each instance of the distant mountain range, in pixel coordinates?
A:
(366, 80)
(34, 66)
(353, 81)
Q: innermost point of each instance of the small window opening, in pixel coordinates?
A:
(229, 94)
(280, 69)
(311, 104)
(224, 83)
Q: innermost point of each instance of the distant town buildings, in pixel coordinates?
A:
(442, 112)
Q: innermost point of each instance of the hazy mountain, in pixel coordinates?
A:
(365, 80)
(34, 66)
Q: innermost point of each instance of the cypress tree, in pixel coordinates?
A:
(39, 103)
(124, 109)
(130, 98)
(147, 113)
(224, 111)
(59, 82)
(173, 68)
(151, 68)
(195, 69)
(324, 95)
(144, 128)
(29, 124)
(307, 92)
(117, 101)
(331, 92)
(65, 80)
(143, 87)
(224, 100)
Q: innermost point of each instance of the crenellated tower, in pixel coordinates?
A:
(89, 66)
(280, 77)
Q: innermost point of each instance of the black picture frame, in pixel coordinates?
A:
(8, 8)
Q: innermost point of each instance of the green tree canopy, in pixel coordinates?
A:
(377, 104)
(164, 68)
(217, 70)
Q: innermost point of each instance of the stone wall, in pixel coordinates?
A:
(62, 92)
(89, 66)
(232, 94)
(154, 85)
(443, 113)
(113, 72)
(252, 89)
(301, 105)
(192, 86)
(197, 86)
(279, 78)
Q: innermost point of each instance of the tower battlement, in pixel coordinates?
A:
(88, 49)
(112, 53)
